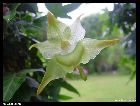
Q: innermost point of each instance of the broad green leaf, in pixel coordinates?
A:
(54, 71)
(31, 7)
(25, 92)
(11, 84)
(71, 7)
(41, 21)
(82, 74)
(92, 47)
(36, 32)
(61, 11)
(64, 97)
(69, 87)
(57, 9)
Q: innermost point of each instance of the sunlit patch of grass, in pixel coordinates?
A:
(104, 88)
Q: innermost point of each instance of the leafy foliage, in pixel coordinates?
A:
(12, 13)
(117, 23)
(64, 97)
(11, 84)
(31, 7)
(124, 14)
(13, 81)
(23, 26)
(61, 11)
(69, 87)
(127, 22)
(25, 95)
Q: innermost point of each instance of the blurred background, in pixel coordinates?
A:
(111, 75)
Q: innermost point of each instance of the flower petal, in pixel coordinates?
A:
(77, 31)
(93, 47)
(57, 30)
(48, 48)
(54, 71)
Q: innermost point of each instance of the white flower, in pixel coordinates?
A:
(66, 48)
(62, 39)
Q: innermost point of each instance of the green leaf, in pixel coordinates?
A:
(41, 21)
(82, 74)
(61, 11)
(22, 94)
(31, 7)
(11, 84)
(54, 71)
(71, 7)
(64, 97)
(36, 32)
(133, 75)
(69, 87)
(12, 13)
(25, 71)
(28, 17)
(93, 47)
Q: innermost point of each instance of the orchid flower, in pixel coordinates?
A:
(66, 48)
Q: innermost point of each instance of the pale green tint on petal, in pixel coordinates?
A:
(54, 71)
(70, 48)
(56, 29)
(93, 47)
(48, 48)
(77, 31)
(73, 58)
(58, 35)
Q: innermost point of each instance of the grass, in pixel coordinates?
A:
(103, 88)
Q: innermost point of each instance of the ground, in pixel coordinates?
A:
(102, 88)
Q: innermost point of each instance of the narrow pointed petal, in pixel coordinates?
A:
(77, 31)
(93, 47)
(54, 71)
(57, 30)
(48, 49)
